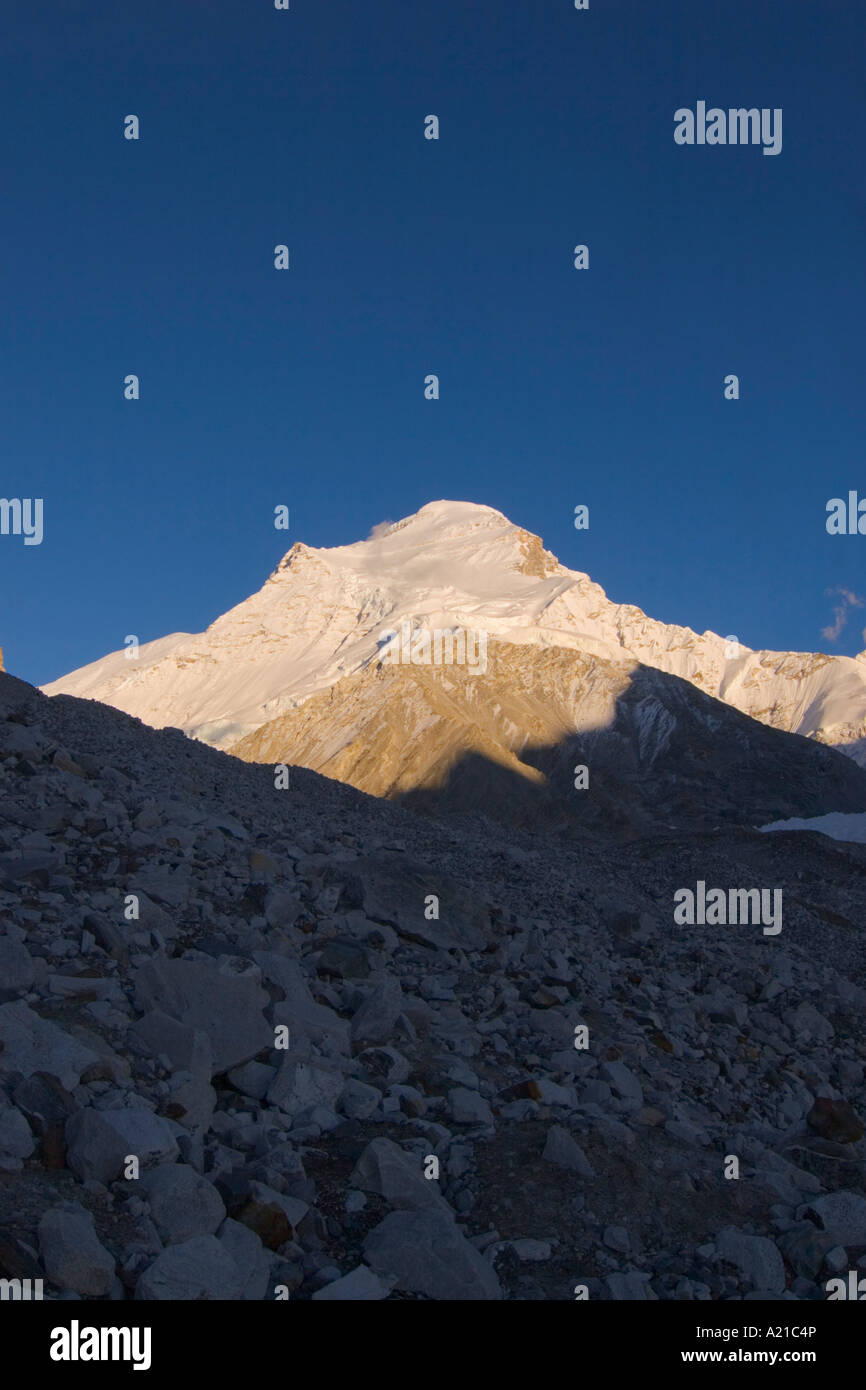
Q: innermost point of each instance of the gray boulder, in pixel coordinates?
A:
(228, 1008)
(427, 1253)
(842, 1216)
(756, 1258)
(565, 1152)
(299, 1084)
(387, 1170)
(99, 1142)
(73, 1256)
(197, 1270)
(31, 1044)
(182, 1204)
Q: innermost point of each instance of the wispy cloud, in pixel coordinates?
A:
(841, 611)
(380, 529)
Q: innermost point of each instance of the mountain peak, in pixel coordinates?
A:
(451, 565)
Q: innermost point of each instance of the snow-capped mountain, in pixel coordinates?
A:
(321, 616)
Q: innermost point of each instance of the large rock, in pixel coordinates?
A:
(394, 890)
(374, 1021)
(195, 1271)
(30, 1044)
(359, 1101)
(226, 1007)
(565, 1152)
(843, 1216)
(468, 1107)
(182, 1204)
(624, 1082)
(271, 1215)
(387, 1170)
(756, 1258)
(100, 1141)
(73, 1256)
(186, 1047)
(299, 1010)
(253, 1262)
(427, 1253)
(300, 1084)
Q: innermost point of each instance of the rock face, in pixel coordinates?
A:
(507, 741)
(300, 1043)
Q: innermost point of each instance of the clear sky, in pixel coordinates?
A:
(410, 256)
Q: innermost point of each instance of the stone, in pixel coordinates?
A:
(298, 1085)
(427, 1253)
(99, 1141)
(623, 1082)
(304, 1016)
(187, 1048)
(359, 1101)
(388, 1171)
(253, 1079)
(74, 1257)
(252, 1261)
(756, 1257)
(182, 1204)
(228, 1008)
(565, 1152)
(392, 890)
(30, 1044)
(271, 1215)
(374, 1021)
(617, 1238)
(196, 1270)
(843, 1216)
(805, 1248)
(469, 1108)
(282, 909)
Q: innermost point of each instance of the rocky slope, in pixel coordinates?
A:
(321, 615)
(417, 1043)
(655, 750)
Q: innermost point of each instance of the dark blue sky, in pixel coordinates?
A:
(408, 257)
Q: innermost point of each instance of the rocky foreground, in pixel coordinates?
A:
(242, 1057)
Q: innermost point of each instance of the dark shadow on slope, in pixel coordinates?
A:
(672, 759)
